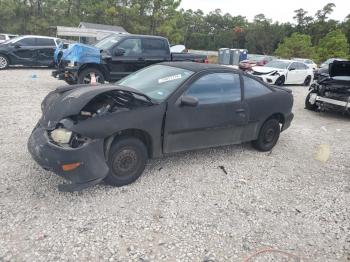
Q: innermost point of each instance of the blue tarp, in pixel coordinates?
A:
(80, 53)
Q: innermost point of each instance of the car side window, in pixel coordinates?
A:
(253, 88)
(26, 42)
(303, 66)
(155, 46)
(293, 66)
(300, 66)
(2, 37)
(45, 42)
(132, 47)
(216, 88)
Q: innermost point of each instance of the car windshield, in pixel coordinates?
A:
(108, 42)
(278, 64)
(158, 81)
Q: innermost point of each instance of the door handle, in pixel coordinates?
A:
(241, 110)
(141, 59)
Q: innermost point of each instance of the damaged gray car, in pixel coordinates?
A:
(332, 89)
(108, 132)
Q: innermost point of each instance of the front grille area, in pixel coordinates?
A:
(258, 73)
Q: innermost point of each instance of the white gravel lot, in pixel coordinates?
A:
(184, 207)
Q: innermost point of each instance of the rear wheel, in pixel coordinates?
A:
(4, 62)
(87, 74)
(307, 81)
(127, 160)
(268, 135)
(308, 105)
(280, 81)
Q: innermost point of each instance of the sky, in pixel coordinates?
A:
(277, 10)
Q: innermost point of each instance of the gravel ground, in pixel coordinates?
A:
(184, 207)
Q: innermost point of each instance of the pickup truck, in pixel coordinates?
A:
(115, 57)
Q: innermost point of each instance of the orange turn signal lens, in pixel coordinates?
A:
(70, 167)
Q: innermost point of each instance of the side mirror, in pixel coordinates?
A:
(119, 52)
(17, 46)
(292, 68)
(189, 101)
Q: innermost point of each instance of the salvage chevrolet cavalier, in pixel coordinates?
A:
(107, 132)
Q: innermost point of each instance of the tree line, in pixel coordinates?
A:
(311, 35)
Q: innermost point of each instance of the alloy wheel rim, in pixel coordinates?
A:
(3, 62)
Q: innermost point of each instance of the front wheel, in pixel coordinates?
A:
(307, 81)
(308, 105)
(280, 81)
(268, 135)
(127, 160)
(86, 75)
(4, 62)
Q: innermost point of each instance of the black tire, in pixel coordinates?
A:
(127, 160)
(280, 81)
(4, 62)
(307, 81)
(308, 105)
(268, 135)
(84, 76)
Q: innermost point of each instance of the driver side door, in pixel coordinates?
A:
(218, 118)
(24, 52)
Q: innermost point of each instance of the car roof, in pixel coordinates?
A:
(143, 36)
(39, 36)
(197, 67)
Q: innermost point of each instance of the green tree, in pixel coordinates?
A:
(334, 44)
(297, 45)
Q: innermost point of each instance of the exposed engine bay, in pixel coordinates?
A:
(110, 102)
(103, 104)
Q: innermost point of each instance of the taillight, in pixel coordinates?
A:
(206, 61)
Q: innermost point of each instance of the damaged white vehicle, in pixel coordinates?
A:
(280, 72)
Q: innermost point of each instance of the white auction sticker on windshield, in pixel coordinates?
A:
(169, 78)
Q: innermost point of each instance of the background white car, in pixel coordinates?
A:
(311, 64)
(5, 37)
(280, 72)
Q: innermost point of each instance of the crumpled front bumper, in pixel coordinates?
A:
(69, 74)
(93, 167)
(270, 79)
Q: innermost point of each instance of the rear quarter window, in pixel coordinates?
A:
(155, 46)
(45, 42)
(253, 88)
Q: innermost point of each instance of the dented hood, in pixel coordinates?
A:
(339, 68)
(70, 100)
(265, 69)
(82, 53)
